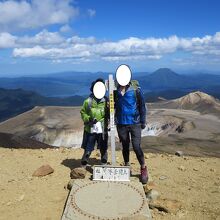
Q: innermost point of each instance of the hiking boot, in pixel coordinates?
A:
(104, 157)
(144, 175)
(103, 162)
(83, 166)
(127, 164)
(85, 158)
(84, 163)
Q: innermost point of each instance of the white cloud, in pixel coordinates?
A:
(31, 14)
(65, 28)
(131, 58)
(195, 61)
(81, 40)
(154, 57)
(91, 12)
(53, 53)
(53, 46)
(136, 46)
(43, 38)
(7, 40)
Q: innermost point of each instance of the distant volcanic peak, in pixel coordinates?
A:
(196, 97)
(164, 71)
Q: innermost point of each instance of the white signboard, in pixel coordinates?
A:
(109, 173)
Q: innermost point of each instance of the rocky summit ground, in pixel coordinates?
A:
(193, 183)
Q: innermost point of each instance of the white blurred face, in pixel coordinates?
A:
(123, 75)
(99, 90)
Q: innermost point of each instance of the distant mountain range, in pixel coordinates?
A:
(196, 101)
(78, 83)
(61, 84)
(70, 88)
(62, 126)
(16, 101)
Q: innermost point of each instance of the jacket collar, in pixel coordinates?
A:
(97, 100)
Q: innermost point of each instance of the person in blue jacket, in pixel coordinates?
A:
(130, 115)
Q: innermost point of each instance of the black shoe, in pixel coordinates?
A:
(85, 158)
(127, 164)
(104, 157)
(84, 163)
(103, 161)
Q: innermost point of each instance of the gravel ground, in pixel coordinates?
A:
(193, 182)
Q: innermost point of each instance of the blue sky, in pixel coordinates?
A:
(51, 35)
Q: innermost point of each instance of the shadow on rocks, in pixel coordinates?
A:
(76, 163)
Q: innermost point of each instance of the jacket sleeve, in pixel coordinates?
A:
(84, 112)
(142, 107)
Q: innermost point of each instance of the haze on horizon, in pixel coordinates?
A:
(54, 36)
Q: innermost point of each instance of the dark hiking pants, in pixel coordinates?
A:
(89, 141)
(133, 132)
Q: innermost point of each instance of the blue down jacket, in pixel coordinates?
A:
(130, 107)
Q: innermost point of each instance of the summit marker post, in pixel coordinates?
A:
(112, 117)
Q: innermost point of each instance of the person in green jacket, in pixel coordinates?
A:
(94, 114)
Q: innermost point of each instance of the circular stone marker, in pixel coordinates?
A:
(107, 200)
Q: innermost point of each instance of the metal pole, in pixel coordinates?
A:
(112, 117)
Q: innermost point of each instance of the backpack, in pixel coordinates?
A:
(136, 86)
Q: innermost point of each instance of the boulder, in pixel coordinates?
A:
(152, 195)
(166, 205)
(78, 173)
(43, 171)
(149, 186)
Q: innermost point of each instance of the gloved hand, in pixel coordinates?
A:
(92, 121)
(95, 121)
(143, 126)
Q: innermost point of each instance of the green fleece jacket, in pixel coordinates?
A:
(92, 109)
